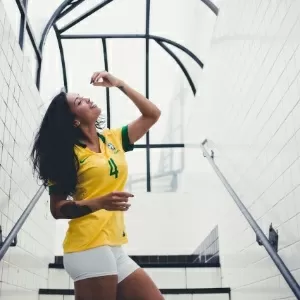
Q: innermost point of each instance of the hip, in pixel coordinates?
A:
(99, 261)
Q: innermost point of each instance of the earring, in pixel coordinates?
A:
(77, 124)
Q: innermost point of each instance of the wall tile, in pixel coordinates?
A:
(248, 108)
(25, 267)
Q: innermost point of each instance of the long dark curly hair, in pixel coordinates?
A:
(53, 155)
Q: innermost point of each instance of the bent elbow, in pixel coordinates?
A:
(55, 216)
(156, 115)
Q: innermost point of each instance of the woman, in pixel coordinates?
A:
(73, 159)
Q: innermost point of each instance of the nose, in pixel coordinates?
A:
(88, 100)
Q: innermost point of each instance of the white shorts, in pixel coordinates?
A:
(100, 261)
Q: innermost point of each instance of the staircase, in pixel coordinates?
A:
(180, 277)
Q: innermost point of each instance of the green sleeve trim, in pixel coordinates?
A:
(127, 146)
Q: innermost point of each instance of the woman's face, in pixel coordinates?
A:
(84, 109)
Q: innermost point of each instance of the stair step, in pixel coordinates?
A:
(163, 291)
(157, 265)
(161, 261)
(165, 278)
(166, 297)
(168, 259)
(180, 277)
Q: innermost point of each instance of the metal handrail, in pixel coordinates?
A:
(285, 272)
(13, 234)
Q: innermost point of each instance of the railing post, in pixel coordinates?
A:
(13, 243)
(285, 272)
(11, 238)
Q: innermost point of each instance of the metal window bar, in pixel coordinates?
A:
(23, 11)
(85, 15)
(135, 36)
(147, 30)
(22, 26)
(180, 64)
(285, 272)
(104, 46)
(62, 10)
(208, 3)
(69, 8)
(68, 5)
(62, 58)
(13, 234)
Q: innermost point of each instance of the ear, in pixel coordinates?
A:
(76, 123)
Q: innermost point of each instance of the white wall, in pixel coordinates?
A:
(24, 268)
(248, 108)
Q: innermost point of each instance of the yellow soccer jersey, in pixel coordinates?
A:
(99, 174)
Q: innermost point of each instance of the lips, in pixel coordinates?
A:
(93, 105)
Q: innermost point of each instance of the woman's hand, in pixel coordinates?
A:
(105, 79)
(115, 201)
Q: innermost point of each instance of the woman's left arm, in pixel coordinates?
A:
(150, 112)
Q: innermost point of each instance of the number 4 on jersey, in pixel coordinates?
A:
(113, 168)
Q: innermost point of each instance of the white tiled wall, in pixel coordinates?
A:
(24, 268)
(248, 108)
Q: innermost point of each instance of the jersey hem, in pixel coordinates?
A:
(95, 246)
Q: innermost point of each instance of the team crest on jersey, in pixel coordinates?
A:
(112, 148)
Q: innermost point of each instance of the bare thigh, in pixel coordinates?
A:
(138, 286)
(97, 288)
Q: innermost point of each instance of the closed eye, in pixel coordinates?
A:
(78, 99)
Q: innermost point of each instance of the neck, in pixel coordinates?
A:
(89, 134)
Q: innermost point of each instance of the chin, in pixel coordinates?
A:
(98, 111)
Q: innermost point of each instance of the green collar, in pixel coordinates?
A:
(82, 144)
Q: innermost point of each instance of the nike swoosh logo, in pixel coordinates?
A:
(83, 160)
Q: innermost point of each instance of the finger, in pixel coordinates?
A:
(117, 207)
(94, 76)
(124, 206)
(98, 78)
(118, 199)
(99, 83)
(97, 75)
(118, 204)
(124, 209)
(122, 194)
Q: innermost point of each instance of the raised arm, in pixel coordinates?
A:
(150, 113)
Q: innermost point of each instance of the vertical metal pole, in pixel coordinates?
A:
(181, 95)
(38, 75)
(147, 93)
(22, 26)
(107, 89)
(62, 57)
